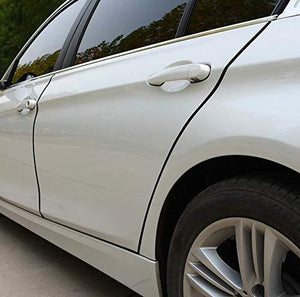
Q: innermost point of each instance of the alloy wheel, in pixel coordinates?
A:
(242, 257)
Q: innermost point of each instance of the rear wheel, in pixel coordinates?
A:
(240, 237)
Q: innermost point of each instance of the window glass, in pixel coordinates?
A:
(119, 26)
(41, 56)
(211, 14)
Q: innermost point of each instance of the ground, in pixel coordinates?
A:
(33, 267)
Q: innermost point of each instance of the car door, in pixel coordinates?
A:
(34, 67)
(105, 126)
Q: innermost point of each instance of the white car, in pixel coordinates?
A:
(159, 141)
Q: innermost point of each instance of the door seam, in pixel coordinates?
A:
(216, 87)
(33, 146)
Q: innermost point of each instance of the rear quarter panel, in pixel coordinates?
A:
(255, 112)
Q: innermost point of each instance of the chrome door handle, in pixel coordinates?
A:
(27, 104)
(190, 72)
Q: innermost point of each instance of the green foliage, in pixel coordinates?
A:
(18, 21)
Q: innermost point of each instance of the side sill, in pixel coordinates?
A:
(134, 271)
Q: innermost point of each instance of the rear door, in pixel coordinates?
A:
(34, 69)
(106, 125)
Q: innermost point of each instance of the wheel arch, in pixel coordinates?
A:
(197, 179)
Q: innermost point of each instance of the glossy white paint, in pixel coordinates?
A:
(292, 9)
(255, 112)
(136, 272)
(103, 134)
(17, 176)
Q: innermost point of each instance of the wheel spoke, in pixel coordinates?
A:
(211, 278)
(274, 255)
(258, 253)
(205, 288)
(211, 259)
(245, 258)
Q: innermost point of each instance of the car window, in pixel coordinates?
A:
(210, 14)
(40, 58)
(119, 26)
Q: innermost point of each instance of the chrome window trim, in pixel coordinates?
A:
(172, 41)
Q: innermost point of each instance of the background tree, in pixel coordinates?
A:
(18, 21)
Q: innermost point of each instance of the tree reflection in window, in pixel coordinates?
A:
(38, 67)
(41, 56)
(158, 31)
(211, 14)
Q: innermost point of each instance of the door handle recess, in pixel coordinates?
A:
(28, 104)
(192, 72)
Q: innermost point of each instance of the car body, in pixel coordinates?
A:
(98, 152)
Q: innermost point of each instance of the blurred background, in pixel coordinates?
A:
(18, 20)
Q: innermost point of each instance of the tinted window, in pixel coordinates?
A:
(122, 25)
(41, 56)
(210, 14)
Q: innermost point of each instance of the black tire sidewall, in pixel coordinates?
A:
(228, 200)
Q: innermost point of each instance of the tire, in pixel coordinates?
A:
(259, 206)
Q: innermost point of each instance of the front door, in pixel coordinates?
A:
(17, 175)
(18, 109)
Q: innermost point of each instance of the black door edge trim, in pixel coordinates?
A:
(188, 122)
(34, 148)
